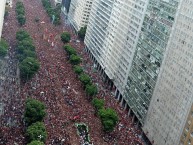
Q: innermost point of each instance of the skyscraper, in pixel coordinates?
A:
(2, 11)
(112, 35)
(144, 49)
(169, 118)
(79, 12)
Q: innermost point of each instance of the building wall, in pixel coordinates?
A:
(187, 135)
(79, 12)
(66, 4)
(112, 35)
(2, 10)
(153, 40)
(173, 95)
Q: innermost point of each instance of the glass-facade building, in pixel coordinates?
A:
(152, 43)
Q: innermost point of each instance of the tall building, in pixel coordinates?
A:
(79, 12)
(169, 118)
(112, 35)
(149, 54)
(66, 5)
(187, 134)
(2, 11)
(144, 48)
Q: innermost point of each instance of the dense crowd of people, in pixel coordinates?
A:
(56, 85)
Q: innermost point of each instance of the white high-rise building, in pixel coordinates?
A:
(2, 11)
(79, 12)
(145, 49)
(112, 35)
(169, 117)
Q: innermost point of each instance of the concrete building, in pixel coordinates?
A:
(187, 134)
(2, 11)
(66, 5)
(79, 13)
(111, 38)
(144, 49)
(169, 118)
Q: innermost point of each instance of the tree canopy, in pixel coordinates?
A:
(21, 35)
(85, 79)
(3, 48)
(91, 90)
(109, 118)
(52, 11)
(28, 67)
(82, 32)
(65, 37)
(36, 142)
(78, 69)
(75, 59)
(34, 111)
(98, 103)
(20, 13)
(69, 49)
(36, 132)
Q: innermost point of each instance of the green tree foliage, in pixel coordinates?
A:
(65, 37)
(36, 131)
(52, 11)
(78, 69)
(91, 90)
(98, 103)
(22, 34)
(85, 79)
(82, 32)
(69, 49)
(109, 119)
(36, 142)
(21, 19)
(28, 67)
(20, 13)
(75, 59)
(3, 48)
(26, 54)
(34, 111)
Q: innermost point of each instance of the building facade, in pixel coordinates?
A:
(66, 5)
(187, 134)
(2, 11)
(150, 50)
(145, 49)
(168, 120)
(112, 35)
(79, 13)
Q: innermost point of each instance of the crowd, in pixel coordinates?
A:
(56, 85)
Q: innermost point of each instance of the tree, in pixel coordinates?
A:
(3, 51)
(65, 37)
(91, 90)
(20, 12)
(78, 69)
(26, 44)
(3, 48)
(98, 103)
(36, 131)
(82, 32)
(28, 67)
(109, 119)
(69, 49)
(75, 59)
(36, 142)
(21, 19)
(85, 79)
(21, 35)
(34, 111)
